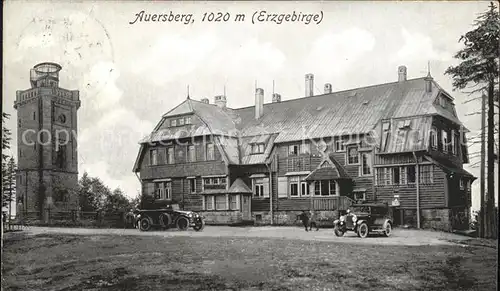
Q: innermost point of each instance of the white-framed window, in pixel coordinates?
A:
(192, 185)
(339, 145)
(153, 157)
(360, 195)
(187, 120)
(444, 140)
(181, 121)
(173, 122)
(169, 151)
(293, 186)
(462, 186)
(210, 154)
(209, 202)
(366, 164)
(220, 202)
(305, 148)
(454, 142)
(191, 153)
(211, 183)
(233, 202)
(163, 190)
(352, 155)
(304, 188)
(433, 138)
(293, 150)
(325, 188)
(258, 148)
(258, 187)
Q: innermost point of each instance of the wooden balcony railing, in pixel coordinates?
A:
(297, 164)
(332, 203)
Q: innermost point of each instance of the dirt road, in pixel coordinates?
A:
(399, 237)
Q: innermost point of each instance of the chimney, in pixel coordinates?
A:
(220, 100)
(428, 83)
(276, 98)
(401, 73)
(309, 85)
(259, 102)
(205, 100)
(328, 88)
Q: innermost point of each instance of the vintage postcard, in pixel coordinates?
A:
(253, 145)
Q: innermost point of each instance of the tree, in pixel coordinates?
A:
(5, 137)
(9, 184)
(117, 201)
(478, 70)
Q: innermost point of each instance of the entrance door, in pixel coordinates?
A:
(245, 207)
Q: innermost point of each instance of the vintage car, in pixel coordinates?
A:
(364, 219)
(168, 217)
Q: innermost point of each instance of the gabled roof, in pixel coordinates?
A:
(238, 187)
(354, 111)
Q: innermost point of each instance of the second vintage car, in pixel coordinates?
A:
(170, 217)
(364, 219)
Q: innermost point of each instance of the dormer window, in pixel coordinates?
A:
(181, 121)
(293, 150)
(187, 120)
(258, 148)
(386, 127)
(406, 124)
(433, 138)
(173, 122)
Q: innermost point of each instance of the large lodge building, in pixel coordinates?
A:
(400, 143)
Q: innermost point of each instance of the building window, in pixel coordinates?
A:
(170, 155)
(34, 115)
(233, 202)
(217, 183)
(258, 187)
(360, 196)
(366, 164)
(386, 126)
(395, 176)
(462, 186)
(434, 138)
(293, 150)
(153, 157)
(209, 202)
(293, 183)
(325, 188)
(305, 148)
(210, 152)
(445, 140)
(304, 189)
(173, 122)
(220, 202)
(468, 185)
(411, 174)
(426, 175)
(192, 185)
(163, 190)
(19, 123)
(187, 120)
(191, 154)
(352, 156)
(181, 121)
(340, 145)
(258, 148)
(454, 142)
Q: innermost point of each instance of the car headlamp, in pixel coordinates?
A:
(354, 218)
(342, 218)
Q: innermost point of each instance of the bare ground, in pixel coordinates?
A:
(252, 259)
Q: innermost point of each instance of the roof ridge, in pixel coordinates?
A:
(336, 92)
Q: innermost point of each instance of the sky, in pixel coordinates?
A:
(130, 74)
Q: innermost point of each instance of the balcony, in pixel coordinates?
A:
(298, 164)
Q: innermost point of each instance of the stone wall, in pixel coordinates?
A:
(438, 219)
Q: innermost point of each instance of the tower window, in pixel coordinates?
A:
(34, 115)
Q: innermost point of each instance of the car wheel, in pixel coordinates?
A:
(338, 231)
(363, 230)
(388, 229)
(145, 224)
(182, 223)
(199, 225)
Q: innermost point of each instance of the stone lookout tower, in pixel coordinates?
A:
(47, 176)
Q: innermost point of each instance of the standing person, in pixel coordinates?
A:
(313, 221)
(305, 219)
